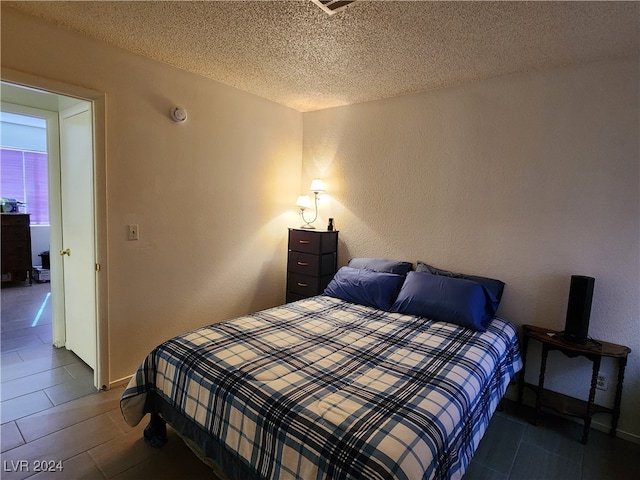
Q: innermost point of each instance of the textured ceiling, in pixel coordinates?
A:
(295, 54)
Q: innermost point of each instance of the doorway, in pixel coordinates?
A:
(74, 288)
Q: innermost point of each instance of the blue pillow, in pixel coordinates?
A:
(445, 299)
(381, 265)
(365, 287)
(494, 287)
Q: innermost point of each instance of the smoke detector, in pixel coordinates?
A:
(333, 6)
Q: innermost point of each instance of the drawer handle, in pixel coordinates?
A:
(303, 264)
(304, 242)
(300, 284)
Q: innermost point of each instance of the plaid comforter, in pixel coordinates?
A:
(325, 389)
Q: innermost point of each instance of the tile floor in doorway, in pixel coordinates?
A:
(35, 376)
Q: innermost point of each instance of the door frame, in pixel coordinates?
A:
(98, 101)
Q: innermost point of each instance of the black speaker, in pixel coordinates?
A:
(579, 309)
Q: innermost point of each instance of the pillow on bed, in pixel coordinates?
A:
(493, 286)
(381, 265)
(445, 299)
(366, 287)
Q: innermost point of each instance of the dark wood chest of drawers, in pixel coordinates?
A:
(16, 246)
(312, 262)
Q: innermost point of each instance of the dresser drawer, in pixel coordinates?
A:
(303, 284)
(309, 264)
(304, 263)
(15, 220)
(306, 285)
(309, 241)
(294, 297)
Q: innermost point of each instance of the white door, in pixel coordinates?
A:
(78, 231)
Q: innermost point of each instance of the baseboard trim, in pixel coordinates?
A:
(122, 382)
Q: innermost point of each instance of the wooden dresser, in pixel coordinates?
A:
(16, 247)
(312, 262)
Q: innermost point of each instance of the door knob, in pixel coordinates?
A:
(66, 251)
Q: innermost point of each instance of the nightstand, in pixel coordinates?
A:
(594, 350)
(311, 263)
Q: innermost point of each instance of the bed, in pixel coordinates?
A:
(336, 387)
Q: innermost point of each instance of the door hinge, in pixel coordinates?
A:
(97, 267)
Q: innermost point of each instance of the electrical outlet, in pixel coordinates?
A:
(133, 232)
(602, 383)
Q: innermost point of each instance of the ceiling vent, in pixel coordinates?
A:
(333, 6)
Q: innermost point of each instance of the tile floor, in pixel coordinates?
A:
(512, 448)
(50, 411)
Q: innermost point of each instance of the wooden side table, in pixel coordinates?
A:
(594, 350)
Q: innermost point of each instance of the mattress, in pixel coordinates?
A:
(323, 388)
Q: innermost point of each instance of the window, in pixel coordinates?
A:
(24, 164)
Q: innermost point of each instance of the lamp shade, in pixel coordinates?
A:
(303, 201)
(317, 185)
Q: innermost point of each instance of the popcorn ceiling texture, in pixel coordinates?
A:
(293, 53)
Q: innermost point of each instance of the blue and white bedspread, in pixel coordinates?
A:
(325, 389)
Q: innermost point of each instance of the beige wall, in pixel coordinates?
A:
(213, 197)
(527, 178)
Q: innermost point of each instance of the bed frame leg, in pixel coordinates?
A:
(155, 434)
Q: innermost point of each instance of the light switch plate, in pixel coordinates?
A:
(133, 233)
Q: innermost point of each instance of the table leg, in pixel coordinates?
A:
(540, 389)
(525, 345)
(622, 363)
(592, 397)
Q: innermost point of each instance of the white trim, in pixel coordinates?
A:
(16, 149)
(122, 382)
